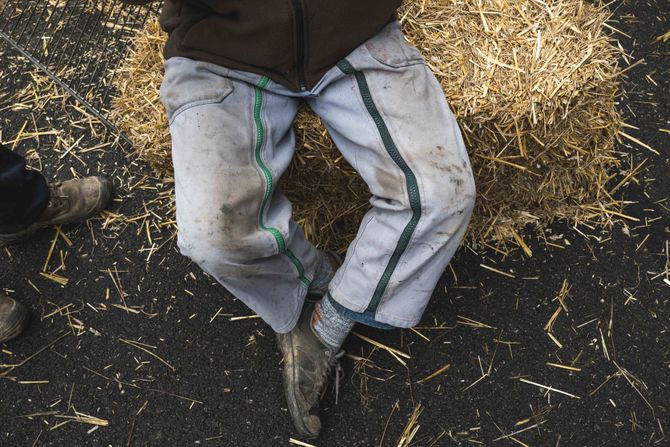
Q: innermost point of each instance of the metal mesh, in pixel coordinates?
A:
(77, 43)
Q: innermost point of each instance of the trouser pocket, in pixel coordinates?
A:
(188, 85)
(390, 48)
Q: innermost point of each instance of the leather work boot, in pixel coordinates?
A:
(70, 201)
(322, 278)
(13, 318)
(307, 366)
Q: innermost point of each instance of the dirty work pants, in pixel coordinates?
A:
(23, 193)
(232, 139)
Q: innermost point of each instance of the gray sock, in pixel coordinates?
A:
(322, 276)
(330, 326)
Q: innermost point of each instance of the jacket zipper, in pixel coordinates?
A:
(300, 40)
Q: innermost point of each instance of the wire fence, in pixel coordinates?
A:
(77, 43)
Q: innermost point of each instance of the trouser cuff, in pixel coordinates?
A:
(367, 318)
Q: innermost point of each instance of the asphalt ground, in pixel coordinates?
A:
(141, 348)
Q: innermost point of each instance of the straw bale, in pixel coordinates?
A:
(533, 85)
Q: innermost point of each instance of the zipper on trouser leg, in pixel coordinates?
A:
(410, 179)
(269, 184)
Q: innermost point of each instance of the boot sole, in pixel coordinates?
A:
(19, 236)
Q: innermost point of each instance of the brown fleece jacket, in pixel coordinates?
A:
(293, 42)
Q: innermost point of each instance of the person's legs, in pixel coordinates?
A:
(24, 193)
(388, 116)
(231, 142)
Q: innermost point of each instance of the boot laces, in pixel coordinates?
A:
(56, 197)
(333, 364)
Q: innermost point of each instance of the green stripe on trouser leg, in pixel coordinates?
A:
(410, 178)
(269, 183)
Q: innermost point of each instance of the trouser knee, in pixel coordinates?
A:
(452, 196)
(221, 257)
